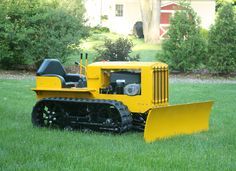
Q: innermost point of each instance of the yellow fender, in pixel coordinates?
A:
(164, 122)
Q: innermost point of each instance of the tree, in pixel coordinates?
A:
(150, 11)
(220, 3)
(185, 49)
(222, 41)
(33, 30)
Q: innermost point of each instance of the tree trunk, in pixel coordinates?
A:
(150, 11)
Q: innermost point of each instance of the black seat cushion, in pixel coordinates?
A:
(53, 67)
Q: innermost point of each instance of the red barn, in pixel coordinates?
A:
(167, 10)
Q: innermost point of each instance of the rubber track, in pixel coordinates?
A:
(126, 118)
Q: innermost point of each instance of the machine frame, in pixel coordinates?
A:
(50, 86)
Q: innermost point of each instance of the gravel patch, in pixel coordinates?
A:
(208, 80)
(16, 75)
(20, 75)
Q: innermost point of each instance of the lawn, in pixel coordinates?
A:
(146, 51)
(23, 147)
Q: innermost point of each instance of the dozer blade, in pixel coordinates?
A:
(164, 122)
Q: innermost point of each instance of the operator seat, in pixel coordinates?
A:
(53, 68)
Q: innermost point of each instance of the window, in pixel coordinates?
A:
(119, 10)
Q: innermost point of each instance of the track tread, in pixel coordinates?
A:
(126, 118)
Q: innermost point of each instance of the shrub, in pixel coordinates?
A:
(204, 33)
(99, 29)
(116, 51)
(185, 47)
(222, 41)
(33, 30)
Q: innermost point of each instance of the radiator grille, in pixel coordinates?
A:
(161, 85)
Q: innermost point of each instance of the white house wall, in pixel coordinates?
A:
(125, 23)
(205, 9)
(93, 12)
(95, 9)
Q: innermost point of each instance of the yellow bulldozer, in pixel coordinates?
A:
(114, 97)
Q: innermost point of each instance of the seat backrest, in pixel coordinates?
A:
(51, 66)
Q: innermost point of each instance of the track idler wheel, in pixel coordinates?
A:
(48, 114)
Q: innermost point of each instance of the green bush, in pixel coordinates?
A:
(116, 50)
(222, 41)
(185, 48)
(204, 33)
(220, 3)
(99, 29)
(33, 30)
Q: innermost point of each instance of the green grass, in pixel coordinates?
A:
(146, 51)
(23, 147)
